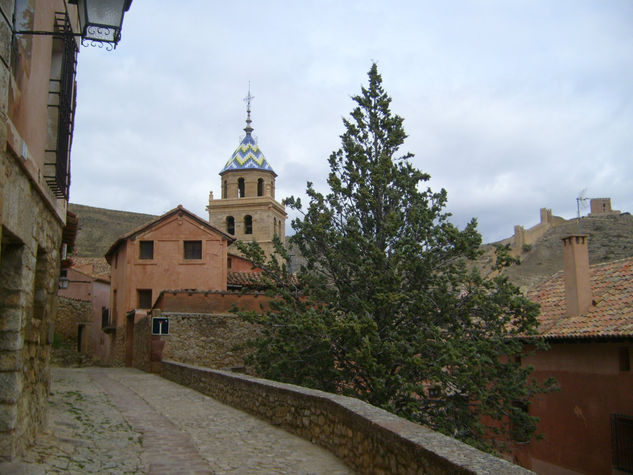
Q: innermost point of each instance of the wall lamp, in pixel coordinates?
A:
(100, 22)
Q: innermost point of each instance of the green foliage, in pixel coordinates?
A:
(386, 308)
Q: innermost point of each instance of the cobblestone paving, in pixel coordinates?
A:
(115, 420)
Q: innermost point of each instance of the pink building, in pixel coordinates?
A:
(85, 285)
(587, 318)
(178, 250)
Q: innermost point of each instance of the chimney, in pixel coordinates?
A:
(576, 269)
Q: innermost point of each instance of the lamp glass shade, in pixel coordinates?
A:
(101, 20)
(64, 282)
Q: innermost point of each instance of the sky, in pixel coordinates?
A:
(511, 106)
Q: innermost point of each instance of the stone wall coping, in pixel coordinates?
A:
(192, 314)
(450, 454)
(74, 299)
(209, 292)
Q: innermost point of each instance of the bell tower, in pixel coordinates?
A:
(247, 208)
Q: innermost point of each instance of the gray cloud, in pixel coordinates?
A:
(510, 106)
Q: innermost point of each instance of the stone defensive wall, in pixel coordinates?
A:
(368, 439)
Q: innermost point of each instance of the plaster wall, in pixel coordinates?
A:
(100, 340)
(575, 421)
(240, 264)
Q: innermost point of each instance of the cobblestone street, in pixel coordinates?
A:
(120, 420)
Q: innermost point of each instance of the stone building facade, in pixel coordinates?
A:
(37, 81)
(247, 208)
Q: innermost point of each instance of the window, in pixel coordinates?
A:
(229, 263)
(114, 307)
(517, 424)
(230, 224)
(193, 249)
(146, 249)
(61, 108)
(275, 226)
(105, 317)
(160, 326)
(224, 189)
(240, 187)
(622, 442)
(144, 298)
(248, 224)
(260, 187)
(625, 360)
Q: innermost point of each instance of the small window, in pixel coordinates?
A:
(146, 249)
(622, 442)
(625, 359)
(105, 317)
(160, 326)
(230, 224)
(518, 430)
(240, 187)
(144, 298)
(225, 189)
(229, 263)
(248, 224)
(260, 187)
(193, 249)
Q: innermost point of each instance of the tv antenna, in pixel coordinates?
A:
(581, 201)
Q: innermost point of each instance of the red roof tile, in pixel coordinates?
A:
(611, 314)
(245, 279)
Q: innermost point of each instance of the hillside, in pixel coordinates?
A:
(99, 228)
(610, 238)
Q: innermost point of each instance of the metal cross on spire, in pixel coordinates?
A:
(248, 129)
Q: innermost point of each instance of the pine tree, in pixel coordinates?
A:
(388, 307)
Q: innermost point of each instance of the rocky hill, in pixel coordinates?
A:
(99, 228)
(610, 238)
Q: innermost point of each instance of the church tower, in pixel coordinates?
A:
(247, 208)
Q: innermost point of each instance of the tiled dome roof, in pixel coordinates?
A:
(247, 156)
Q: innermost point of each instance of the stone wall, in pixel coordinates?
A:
(142, 344)
(368, 439)
(29, 269)
(71, 313)
(213, 341)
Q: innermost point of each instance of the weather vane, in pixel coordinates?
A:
(248, 100)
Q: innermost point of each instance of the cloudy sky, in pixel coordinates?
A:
(511, 106)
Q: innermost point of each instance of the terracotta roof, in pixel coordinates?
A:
(250, 279)
(611, 314)
(245, 279)
(178, 209)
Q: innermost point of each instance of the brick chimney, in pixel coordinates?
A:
(576, 269)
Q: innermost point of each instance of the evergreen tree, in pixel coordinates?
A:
(386, 308)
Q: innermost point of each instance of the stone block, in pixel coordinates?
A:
(11, 319)
(8, 417)
(10, 387)
(10, 360)
(11, 341)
